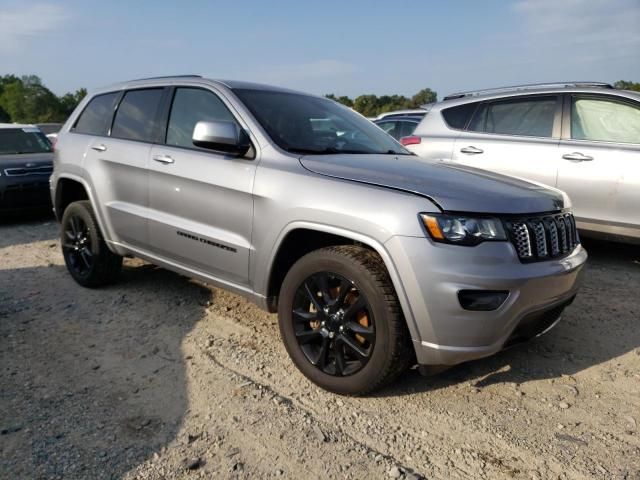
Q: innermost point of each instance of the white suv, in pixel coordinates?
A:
(581, 137)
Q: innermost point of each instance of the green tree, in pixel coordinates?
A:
(344, 100)
(27, 100)
(69, 101)
(426, 95)
(626, 85)
(367, 105)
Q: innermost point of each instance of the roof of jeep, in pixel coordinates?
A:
(178, 79)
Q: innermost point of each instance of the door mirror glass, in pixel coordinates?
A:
(222, 136)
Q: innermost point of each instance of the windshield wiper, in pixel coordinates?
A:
(393, 152)
(324, 151)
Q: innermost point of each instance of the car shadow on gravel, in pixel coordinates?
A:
(601, 324)
(27, 226)
(92, 381)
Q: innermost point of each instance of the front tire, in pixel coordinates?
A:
(88, 259)
(341, 322)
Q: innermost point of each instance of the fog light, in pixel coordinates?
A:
(482, 300)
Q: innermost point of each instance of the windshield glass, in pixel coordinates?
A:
(312, 125)
(23, 140)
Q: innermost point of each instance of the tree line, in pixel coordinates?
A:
(372, 105)
(27, 100)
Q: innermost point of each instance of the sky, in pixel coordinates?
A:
(346, 47)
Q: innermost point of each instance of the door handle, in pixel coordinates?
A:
(163, 158)
(99, 148)
(471, 150)
(577, 157)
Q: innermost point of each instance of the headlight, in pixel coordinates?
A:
(462, 230)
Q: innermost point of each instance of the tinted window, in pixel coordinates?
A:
(190, 106)
(96, 117)
(23, 140)
(391, 127)
(407, 128)
(604, 120)
(135, 118)
(457, 117)
(313, 125)
(528, 117)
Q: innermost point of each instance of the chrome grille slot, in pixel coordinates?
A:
(543, 237)
(522, 240)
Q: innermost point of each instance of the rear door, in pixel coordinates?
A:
(600, 162)
(515, 136)
(118, 164)
(201, 204)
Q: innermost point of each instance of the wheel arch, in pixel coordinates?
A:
(74, 184)
(68, 189)
(300, 238)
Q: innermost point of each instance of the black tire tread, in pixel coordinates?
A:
(401, 354)
(108, 265)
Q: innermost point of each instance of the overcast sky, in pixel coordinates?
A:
(346, 47)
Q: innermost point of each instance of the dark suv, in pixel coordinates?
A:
(26, 162)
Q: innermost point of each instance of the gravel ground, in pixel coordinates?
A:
(160, 376)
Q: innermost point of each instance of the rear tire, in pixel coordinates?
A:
(88, 259)
(341, 322)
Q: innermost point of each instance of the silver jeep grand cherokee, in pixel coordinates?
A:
(373, 259)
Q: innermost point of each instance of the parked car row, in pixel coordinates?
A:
(376, 254)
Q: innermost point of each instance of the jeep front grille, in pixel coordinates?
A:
(543, 237)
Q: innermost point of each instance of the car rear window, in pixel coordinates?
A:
(96, 117)
(136, 115)
(15, 141)
(457, 117)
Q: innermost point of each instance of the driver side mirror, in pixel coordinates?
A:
(221, 136)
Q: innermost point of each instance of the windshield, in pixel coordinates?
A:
(23, 140)
(312, 125)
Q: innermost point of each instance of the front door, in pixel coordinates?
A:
(600, 162)
(200, 201)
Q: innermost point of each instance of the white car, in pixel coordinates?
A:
(580, 137)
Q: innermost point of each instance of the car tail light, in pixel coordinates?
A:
(411, 140)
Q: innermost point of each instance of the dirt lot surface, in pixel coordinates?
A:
(160, 376)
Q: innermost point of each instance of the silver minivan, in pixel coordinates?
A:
(580, 137)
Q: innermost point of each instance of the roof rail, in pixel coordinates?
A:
(167, 76)
(529, 86)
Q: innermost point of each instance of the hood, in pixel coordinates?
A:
(21, 160)
(453, 188)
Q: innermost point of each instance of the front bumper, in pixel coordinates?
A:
(24, 193)
(443, 332)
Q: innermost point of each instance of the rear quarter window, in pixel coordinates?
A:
(458, 117)
(95, 119)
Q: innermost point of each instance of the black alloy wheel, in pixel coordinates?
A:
(333, 324)
(77, 246)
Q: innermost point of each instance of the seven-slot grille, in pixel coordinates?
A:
(543, 237)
